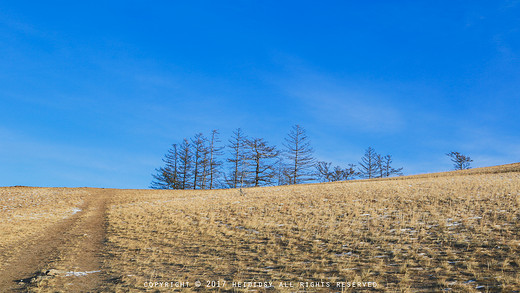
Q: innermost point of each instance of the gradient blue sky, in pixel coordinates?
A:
(93, 93)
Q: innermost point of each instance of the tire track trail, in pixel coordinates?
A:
(68, 256)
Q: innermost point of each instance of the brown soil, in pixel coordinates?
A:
(73, 245)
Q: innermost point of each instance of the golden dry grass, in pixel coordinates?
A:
(426, 233)
(28, 211)
(455, 231)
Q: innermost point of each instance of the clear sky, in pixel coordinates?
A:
(94, 93)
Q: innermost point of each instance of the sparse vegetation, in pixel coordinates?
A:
(252, 162)
(460, 161)
(27, 211)
(299, 155)
(327, 173)
(423, 233)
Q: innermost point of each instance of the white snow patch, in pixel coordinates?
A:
(80, 274)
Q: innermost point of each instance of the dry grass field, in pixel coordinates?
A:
(444, 232)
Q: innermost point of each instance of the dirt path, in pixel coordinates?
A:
(67, 257)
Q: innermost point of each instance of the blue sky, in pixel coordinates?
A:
(94, 93)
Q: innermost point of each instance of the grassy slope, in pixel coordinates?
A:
(457, 230)
(427, 232)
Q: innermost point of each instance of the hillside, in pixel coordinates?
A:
(458, 231)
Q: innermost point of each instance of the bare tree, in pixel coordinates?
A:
(299, 154)
(205, 168)
(262, 161)
(283, 176)
(327, 173)
(350, 172)
(214, 163)
(379, 163)
(167, 177)
(237, 159)
(323, 171)
(460, 161)
(199, 160)
(185, 164)
(384, 166)
(387, 169)
(368, 167)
